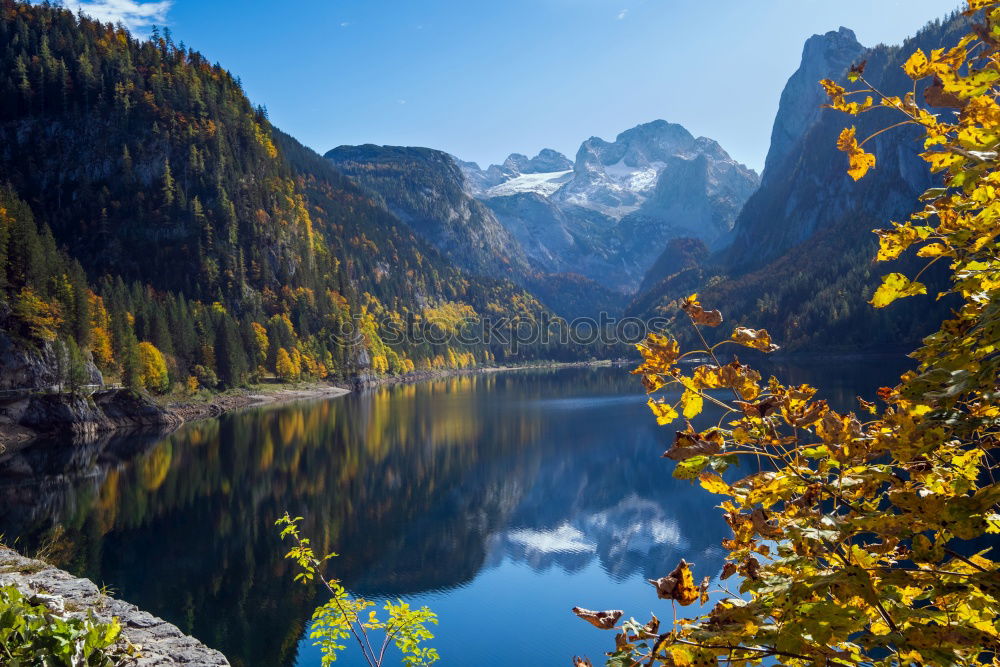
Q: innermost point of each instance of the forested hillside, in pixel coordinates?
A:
(191, 230)
(801, 262)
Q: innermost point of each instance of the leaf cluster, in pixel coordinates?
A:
(33, 635)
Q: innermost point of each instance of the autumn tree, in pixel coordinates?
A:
(861, 538)
(284, 367)
(40, 318)
(152, 368)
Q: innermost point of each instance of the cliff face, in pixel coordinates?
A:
(23, 366)
(805, 190)
(823, 57)
(424, 189)
(24, 417)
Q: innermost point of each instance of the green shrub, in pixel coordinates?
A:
(33, 635)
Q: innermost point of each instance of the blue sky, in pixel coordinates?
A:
(484, 78)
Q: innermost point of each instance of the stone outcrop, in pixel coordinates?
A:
(82, 415)
(37, 367)
(160, 643)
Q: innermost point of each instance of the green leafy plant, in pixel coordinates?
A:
(33, 635)
(862, 538)
(343, 617)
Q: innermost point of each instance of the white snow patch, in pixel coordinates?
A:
(634, 179)
(544, 184)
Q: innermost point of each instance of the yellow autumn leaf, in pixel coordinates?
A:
(679, 657)
(832, 88)
(917, 66)
(940, 160)
(664, 412)
(895, 286)
(891, 244)
(659, 354)
(932, 250)
(691, 403)
(713, 483)
(758, 339)
(859, 162)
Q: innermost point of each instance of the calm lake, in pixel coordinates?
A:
(500, 500)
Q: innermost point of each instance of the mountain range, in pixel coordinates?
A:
(146, 200)
(657, 214)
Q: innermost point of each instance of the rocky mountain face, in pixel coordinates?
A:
(600, 213)
(424, 188)
(800, 261)
(801, 101)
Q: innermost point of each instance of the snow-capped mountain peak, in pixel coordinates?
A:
(597, 215)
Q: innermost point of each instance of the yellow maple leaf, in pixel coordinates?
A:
(664, 412)
(917, 66)
(859, 162)
(713, 483)
(895, 286)
(691, 403)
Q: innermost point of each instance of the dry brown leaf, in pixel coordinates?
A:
(698, 315)
(750, 568)
(762, 525)
(936, 96)
(604, 620)
(762, 408)
(691, 443)
(678, 585)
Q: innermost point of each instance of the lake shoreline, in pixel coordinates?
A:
(283, 394)
(69, 415)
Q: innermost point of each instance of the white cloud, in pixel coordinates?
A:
(344, 24)
(622, 14)
(136, 15)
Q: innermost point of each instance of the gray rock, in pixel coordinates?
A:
(34, 366)
(159, 643)
(823, 57)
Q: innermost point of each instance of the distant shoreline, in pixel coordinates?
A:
(71, 417)
(283, 394)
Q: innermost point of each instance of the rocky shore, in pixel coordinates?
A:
(24, 418)
(27, 418)
(159, 643)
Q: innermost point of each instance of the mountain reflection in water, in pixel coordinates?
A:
(501, 500)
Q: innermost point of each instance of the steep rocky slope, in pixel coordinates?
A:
(424, 189)
(801, 258)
